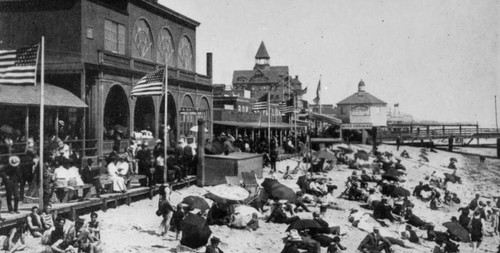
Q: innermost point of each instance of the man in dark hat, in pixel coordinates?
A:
(214, 246)
(10, 176)
(145, 156)
(374, 242)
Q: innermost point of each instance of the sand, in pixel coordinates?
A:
(135, 228)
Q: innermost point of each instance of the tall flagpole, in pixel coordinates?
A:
(268, 123)
(295, 120)
(165, 120)
(42, 86)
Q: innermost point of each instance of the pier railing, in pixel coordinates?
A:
(436, 132)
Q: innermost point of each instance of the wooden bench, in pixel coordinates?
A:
(64, 195)
(141, 179)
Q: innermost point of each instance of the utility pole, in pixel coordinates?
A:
(496, 114)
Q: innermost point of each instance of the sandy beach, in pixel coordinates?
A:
(135, 228)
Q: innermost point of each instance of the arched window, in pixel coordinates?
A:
(185, 55)
(204, 112)
(165, 47)
(142, 40)
(187, 115)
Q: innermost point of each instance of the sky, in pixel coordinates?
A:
(439, 60)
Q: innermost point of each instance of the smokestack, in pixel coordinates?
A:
(209, 65)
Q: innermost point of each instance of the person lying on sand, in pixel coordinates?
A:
(374, 242)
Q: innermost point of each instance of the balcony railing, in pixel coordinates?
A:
(122, 61)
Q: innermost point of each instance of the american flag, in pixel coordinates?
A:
(150, 85)
(288, 107)
(18, 66)
(261, 103)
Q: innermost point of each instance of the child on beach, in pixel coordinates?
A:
(94, 226)
(253, 224)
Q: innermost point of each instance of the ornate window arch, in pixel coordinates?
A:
(185, 59)
(165, 47)
(142, 38)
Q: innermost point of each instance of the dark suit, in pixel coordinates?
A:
(213, 249)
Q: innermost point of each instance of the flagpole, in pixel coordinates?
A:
(295, 121)
(268, 123)
(319, 99)
(42, 86)
(165, 124)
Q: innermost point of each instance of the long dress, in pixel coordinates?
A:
(476, 231)
(118, 181)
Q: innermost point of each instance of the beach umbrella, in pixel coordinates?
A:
(391, 174)
(195, 231)
(229, 191)
(402, 192)
(7, 129)
(456, 229)
(276, 190)
(327, 155)
(303, 224)
(119, 128)
(195, 129)
(361, 154)
(196, 202)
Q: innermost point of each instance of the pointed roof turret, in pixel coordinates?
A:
(262, 52)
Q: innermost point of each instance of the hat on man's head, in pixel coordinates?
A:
(14, 161)
(61, 122)
(215, 240)
(376, 228)
(282, 201)
(145, 143)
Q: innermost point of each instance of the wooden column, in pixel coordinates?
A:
(26, 125)
(200, 168)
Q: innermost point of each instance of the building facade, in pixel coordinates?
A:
(362, 108)
(264, 78)
(98, 49)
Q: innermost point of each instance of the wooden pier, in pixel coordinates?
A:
(410, 132)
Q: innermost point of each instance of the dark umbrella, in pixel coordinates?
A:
(303, 224)
(6, 129)
(456, 229)
(195, 231)
(402, 192)
(195, 202)
(391, 174)
(278, 191)
(327, 155)
(120, 128)
(346, 150)
(361, 154)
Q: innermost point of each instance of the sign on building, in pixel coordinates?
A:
(357, 126)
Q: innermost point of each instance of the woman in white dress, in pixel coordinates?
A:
(114, 175)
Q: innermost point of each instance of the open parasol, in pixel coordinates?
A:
(456, 229)
(196, 202)
(195, 129)
(7, 129)
(229, 191)
(324, 154)
(195, 231)
(303, 224)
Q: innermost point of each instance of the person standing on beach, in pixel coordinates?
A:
(476, 229)
(398, 142)
(10, 177)
(273, 155)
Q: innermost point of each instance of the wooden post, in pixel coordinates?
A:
(498, 147)
(26, 126)
(200, 169)
(374, 138)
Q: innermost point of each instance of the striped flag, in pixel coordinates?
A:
(290, 106)
(150, 85)
(261, 103)
(19, 66)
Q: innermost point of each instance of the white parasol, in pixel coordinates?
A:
(195, 129)
(229, 191)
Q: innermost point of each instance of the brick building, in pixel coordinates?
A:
(98, 49)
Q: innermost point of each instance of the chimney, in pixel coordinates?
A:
(209, 65)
